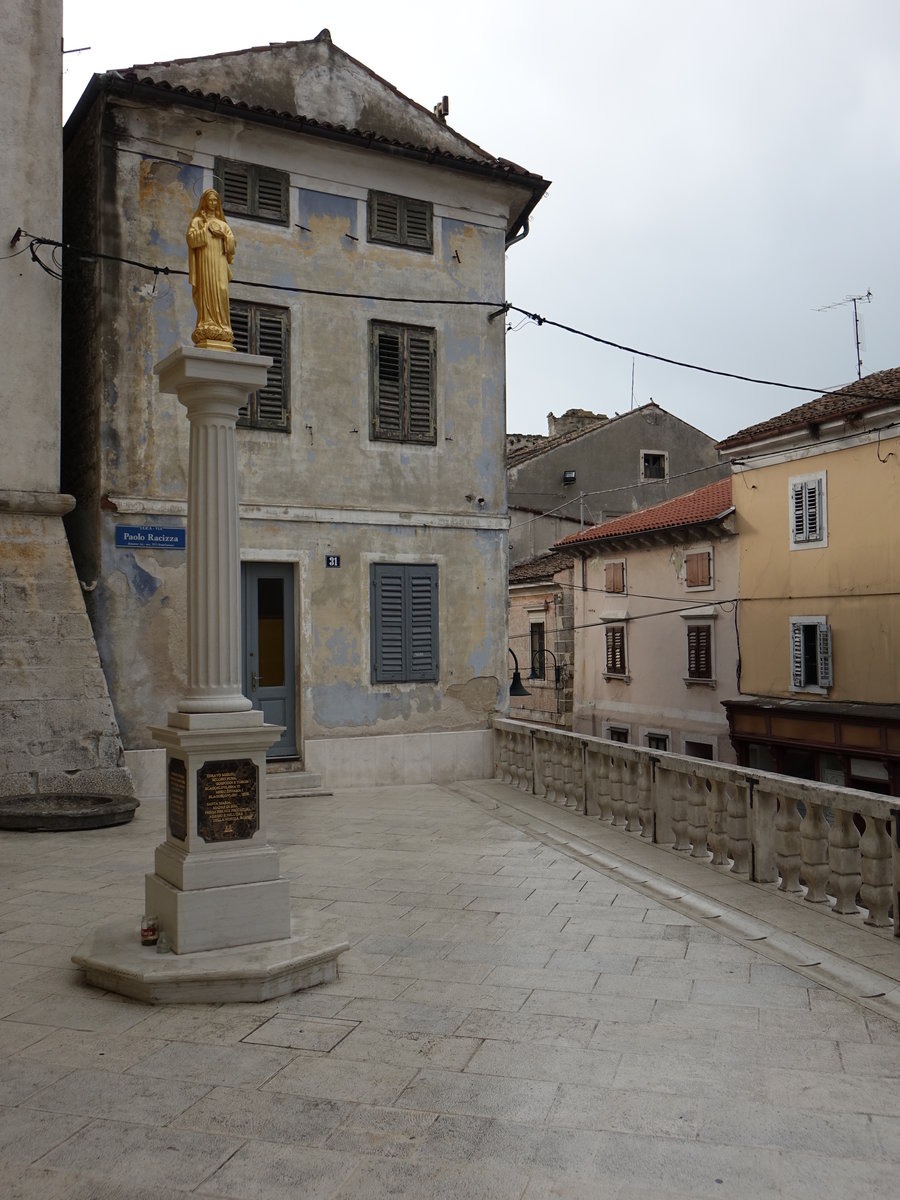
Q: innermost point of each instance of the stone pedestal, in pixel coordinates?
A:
(216, 887)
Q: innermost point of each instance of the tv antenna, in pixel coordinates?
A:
(855, 301)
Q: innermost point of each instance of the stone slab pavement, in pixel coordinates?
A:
(511, 1021)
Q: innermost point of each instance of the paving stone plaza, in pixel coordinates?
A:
(510, 1023)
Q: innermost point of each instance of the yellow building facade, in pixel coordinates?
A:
(817, 499)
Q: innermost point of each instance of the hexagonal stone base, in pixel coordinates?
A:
(114, 959)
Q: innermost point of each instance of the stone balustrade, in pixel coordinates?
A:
(829, 845)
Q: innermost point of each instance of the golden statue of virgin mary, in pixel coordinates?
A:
(211, 247)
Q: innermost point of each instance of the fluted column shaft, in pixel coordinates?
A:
(213, 386)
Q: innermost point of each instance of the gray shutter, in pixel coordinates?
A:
(387, 622)
(272, 195)
(826, 660)
(420, 388)
(387, 416)
(417, 224)
(272, 409)
(797, 654)
(240, 327)
(384, 217)
(423, 622)
(234, 185)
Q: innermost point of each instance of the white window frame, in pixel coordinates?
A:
(825, 656)
(808, 511)
(664, 454)
(701, 587)
(699, 739)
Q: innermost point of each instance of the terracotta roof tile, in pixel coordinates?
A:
(873, 391)
(703, 504)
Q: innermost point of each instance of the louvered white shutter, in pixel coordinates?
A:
(823, 648)
(797, 654)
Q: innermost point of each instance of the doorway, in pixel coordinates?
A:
(268, 645)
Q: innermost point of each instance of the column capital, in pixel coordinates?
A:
(189, 366)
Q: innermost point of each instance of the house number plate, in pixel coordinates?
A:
(332, 560)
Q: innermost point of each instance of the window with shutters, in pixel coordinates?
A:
(618, 733)
(404, 619)
(261, 330)
(700, 654)
(698, 569)
(614, 576)
(812, 667)
(808, 511)
(402, 383)
(400, 221)
(657, 741)
(616, 658)
(249, 190)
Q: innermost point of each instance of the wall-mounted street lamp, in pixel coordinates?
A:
(537, 666)
(517, 688)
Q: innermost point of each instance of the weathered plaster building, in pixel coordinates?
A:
(370, 255)
(57, 730)
(817, 493)
(541, 636)
(591, 468)
(654, 616)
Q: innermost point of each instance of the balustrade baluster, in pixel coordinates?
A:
(765, 869)
(632, 798)
(698, 820)
(592, 784)
(718, 840)
(569, 776)
(680, 810)
(738, 825)
(645, 800)
(617, 799)
(814, 848)
(604, 788)
(844, 862)
(877, 873)
(787, 844)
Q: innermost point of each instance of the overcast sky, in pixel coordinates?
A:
(720, 171)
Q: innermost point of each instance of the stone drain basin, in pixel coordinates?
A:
(52, 812)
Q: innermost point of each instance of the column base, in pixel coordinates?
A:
(217, 917)
(114, 959)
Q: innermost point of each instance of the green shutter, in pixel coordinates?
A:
(271, 400)
(420, 387)
(387, 416)
(404, 622)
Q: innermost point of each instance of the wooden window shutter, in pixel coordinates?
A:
(387, 415)
(233, 180)
(259, 330)
(615, 650)
(418, 224)
(240, 327)
(825, 657)
(384, 217)
(797, 654)
(421, 425)
(404, 622)
(697, 569)
(614, 573)
(272, 195)
(387, 622)
(422, 606)
(271, 400)
(699, 652)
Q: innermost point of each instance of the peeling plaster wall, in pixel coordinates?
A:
(325, 487)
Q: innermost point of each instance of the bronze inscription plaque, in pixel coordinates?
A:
(227, 800)
(176, 795)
